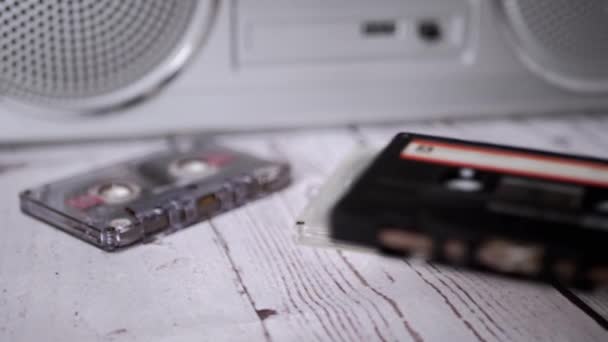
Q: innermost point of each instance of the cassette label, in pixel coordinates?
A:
(510, 162)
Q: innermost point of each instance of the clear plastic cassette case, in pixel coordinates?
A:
(121, 204)
(312, 225)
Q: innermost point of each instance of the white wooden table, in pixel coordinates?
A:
(242, 277)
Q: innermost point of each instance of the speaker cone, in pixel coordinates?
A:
(91, 56)
(564, 41)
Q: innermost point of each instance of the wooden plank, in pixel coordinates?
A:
(324, 284)
(242, 276)
(598, 301)
(453, 304)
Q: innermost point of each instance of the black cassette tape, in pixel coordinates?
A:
(520, 212)
(165, 191)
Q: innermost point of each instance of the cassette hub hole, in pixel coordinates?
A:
(116, 192)
(189, 167)
(121, 224)
(192, 166)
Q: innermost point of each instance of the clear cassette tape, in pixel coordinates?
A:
(121, 204)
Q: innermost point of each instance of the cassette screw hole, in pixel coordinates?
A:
(121, 224)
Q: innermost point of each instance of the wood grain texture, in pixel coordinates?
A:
(241, 276)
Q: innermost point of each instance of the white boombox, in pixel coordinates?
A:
(114, 68)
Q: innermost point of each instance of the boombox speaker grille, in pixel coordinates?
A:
(566, 41)
(72, 51)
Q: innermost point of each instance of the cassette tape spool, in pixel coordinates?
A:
(127, 202)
